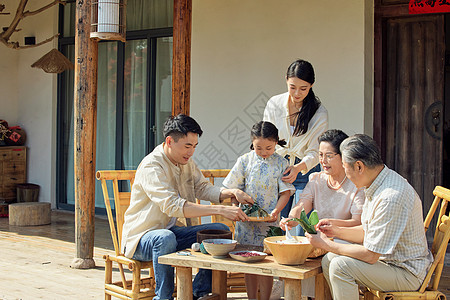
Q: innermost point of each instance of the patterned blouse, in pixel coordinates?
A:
(261, 179)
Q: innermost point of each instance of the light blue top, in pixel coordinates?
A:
(261, 179)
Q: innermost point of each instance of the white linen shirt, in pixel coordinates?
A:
(393, 223)
(305, 146)
(159, 193)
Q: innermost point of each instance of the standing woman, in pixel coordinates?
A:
(300, 119)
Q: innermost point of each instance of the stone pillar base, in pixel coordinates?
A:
(82, 263)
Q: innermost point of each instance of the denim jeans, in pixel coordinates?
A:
(156, 243)
(299, 184)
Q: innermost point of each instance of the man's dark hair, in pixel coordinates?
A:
(179, 126)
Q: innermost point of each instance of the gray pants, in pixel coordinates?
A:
(344, 273)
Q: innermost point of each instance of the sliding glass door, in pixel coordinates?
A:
(133, 99)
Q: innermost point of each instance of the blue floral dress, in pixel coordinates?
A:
(261, 179)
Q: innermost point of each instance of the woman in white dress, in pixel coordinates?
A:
(300, 119)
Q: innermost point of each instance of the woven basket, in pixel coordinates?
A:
(53, 62)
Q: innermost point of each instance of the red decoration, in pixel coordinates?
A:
(428, 6)
(14, 137)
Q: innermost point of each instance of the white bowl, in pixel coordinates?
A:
(219, 248)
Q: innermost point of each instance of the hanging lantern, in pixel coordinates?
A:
(53, 62)
(108, 20)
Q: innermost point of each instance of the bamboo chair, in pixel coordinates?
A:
(428, 289)
(235, 281)
(137, 287)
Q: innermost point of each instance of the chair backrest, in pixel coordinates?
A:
(212, 174)
(441, 237)
(121, 201)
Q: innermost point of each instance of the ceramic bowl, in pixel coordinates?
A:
(248, 255)
(288, 253)
(206, 234)
(219, 248)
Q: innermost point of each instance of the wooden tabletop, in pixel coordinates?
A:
(268, 266)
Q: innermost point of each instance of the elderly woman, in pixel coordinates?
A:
(335, 197)
(330, 192)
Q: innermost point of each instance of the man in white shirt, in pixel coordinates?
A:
(389, 251)
(165, 188)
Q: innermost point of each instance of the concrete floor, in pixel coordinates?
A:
(35, 260)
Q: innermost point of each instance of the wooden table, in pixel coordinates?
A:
(292, 275)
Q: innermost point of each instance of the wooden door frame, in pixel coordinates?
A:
(382, 11)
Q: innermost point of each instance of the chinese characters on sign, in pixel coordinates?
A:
(428, 6)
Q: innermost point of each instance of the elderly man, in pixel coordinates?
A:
(388, 252)
(166, 184)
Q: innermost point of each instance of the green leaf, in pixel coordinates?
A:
(304, 222)
(274, 231)
(313, 218)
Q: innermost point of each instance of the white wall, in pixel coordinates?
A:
(8, 73)
(240, 53)
(30, 98)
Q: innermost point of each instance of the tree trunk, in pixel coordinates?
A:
(181, 64)
(85, 118)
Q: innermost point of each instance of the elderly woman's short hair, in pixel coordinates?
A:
(363, 148)
(334, 137)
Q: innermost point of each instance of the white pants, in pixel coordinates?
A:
(344, 273)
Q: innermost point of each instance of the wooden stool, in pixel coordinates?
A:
(29, 213)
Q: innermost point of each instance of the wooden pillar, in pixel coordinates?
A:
(85, 118)
(181, 63)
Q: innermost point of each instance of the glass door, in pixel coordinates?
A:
(133, 100)
(134, 94)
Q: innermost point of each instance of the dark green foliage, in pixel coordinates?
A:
(254, 211)
(274, 231)
(304, 222)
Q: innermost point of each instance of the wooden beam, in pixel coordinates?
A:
(181, 63)
(85, 121)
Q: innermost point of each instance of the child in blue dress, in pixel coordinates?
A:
(258, 173)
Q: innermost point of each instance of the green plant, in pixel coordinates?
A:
(307, 224)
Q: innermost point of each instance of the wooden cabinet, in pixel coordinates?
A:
(13, 170)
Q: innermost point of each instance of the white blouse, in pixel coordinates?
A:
(305, 146)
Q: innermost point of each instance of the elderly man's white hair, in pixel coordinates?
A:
(361, 147)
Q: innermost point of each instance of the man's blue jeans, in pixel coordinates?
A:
(156, 243)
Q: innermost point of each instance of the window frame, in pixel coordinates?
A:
(151, 35)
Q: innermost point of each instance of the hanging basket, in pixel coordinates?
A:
(53, 62)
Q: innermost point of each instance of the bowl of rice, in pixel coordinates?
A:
(289, 252)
